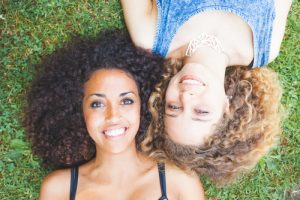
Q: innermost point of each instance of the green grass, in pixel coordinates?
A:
(30, 30)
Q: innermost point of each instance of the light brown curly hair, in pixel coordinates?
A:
(241, 137)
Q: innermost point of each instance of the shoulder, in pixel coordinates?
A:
(56, 185)
(187, 183)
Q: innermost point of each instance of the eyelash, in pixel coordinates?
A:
(201, 112)
(173, 107)
(127, 101)
(197, 111)
(96, 104)
(99, 104)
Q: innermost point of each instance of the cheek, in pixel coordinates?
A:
(171, 94)
(215, 97)
(171, 89)
(92, 120)
(134, 116)
(218, 91)
(219, 104)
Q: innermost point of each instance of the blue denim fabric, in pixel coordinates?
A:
(259, 15)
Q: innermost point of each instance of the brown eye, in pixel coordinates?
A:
(96, 104)
(201, 112)
(173, 107)
(127, 101)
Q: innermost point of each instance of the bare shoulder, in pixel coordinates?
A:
(187, 183)
(56, 185)
(282, 8)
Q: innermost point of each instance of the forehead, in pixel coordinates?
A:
(105, 79)
(185, 130)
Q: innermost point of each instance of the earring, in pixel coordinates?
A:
(229, 97)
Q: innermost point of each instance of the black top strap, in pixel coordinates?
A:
(251, 64)
(74, 181)
(162, 181)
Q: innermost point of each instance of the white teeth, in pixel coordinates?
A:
(114, 132)
(191, 81)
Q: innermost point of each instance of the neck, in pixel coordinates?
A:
(117, 167)
(129, 155)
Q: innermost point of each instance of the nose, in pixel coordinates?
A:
(112, 113)
(189, 91)
(186, 96)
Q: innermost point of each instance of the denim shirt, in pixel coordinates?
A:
(259, 15)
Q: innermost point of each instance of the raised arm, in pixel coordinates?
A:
(282, 9)
(140, 17)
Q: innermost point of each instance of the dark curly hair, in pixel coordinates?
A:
(54, 118)
(240, 138)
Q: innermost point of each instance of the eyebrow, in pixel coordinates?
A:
(103, 95)
(174, 116)
(170, 115)
(97, 94)
(197, 119)
(125, 93)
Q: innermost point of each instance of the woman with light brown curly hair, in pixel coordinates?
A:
(245, 132)
(217, 111)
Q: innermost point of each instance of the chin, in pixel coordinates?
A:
(120, 148)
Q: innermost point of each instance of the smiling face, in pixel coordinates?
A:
(111, 108)
(195, 102)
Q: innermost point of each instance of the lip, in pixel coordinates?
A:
(192, 80)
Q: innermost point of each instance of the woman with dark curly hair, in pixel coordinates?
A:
(87, 110)
(213, 100)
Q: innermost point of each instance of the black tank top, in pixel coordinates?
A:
(162, 181)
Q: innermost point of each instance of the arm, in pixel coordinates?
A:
(56, 185)
(140, 19)
(282, 8)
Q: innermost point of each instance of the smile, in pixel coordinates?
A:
(115, 132)
(191, 80)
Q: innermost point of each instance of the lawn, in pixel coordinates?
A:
(30, 30)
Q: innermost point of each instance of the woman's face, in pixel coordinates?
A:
(111, 108)
(195, 102)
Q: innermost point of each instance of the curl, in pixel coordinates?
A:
(241, 137)
(53, 116)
